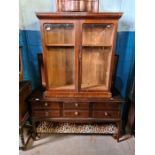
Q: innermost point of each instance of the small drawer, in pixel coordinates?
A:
(104, 106)
(82, 105)
(46, 113)
(75, 114)
(45, 105)
(106, 114)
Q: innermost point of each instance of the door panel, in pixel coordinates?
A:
(97, 48)
(60, 55)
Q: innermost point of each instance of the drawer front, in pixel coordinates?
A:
(104, 106)
(46, 105)
(47, 114)
(106, 114)
(75, 114)
(76, 105)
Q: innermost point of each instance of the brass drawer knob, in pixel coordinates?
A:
(46, 104)
(76, 105)
(46, 113)
(106, 114)
(76, 113)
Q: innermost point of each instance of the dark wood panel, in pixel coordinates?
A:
(79, 120)
(87, 94)
(25, 89)
(45, 105)
(106, 114)
(100, 106)
(75, 114)
(46, 113)
(76, 105)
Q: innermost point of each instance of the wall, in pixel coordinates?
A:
(31, 42)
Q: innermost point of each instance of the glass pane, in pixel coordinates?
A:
(59, 34)
(61, 67)
(95, 67)
(97, 34)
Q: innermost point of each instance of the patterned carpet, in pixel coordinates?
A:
(50, 127)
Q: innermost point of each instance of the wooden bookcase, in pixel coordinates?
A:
(78, 65)
(78, 53)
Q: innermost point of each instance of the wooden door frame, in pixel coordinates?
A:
(99, 21)
(45, 50)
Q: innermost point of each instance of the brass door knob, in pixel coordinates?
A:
(76, 113)
(76, 105)
(46, 104)
(106, 114)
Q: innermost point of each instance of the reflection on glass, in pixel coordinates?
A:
(59, 34)
(97, 34)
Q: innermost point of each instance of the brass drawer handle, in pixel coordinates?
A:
(46, 113)
(106, 114)
(76, 113)
(46, 104)
(76, 104)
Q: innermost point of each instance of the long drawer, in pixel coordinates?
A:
(45, 105)
(105, 106)
(46, 113)
(105, 114)
(75, 105)
(76, 113)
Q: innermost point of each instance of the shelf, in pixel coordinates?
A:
(96, 45)
(63, 87)
(60, 45)
(93, 87)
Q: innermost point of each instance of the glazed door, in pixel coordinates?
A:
(96, 55)
(59, 55)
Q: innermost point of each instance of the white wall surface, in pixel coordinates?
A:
(29, 21)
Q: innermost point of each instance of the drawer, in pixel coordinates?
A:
(104, 106)
(46, 113)
(75, 105)
(75, 114)
(106, 114)
(45, 105)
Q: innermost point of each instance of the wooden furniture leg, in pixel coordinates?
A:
(34, 130)
(22, 138)
(119, 126)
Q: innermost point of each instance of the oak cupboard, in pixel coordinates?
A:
(78, 62)
(78, 53)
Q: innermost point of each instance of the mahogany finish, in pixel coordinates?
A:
(25, 90)
(78, 66)
(75, 110)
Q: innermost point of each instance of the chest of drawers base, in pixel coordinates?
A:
(76, 110)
